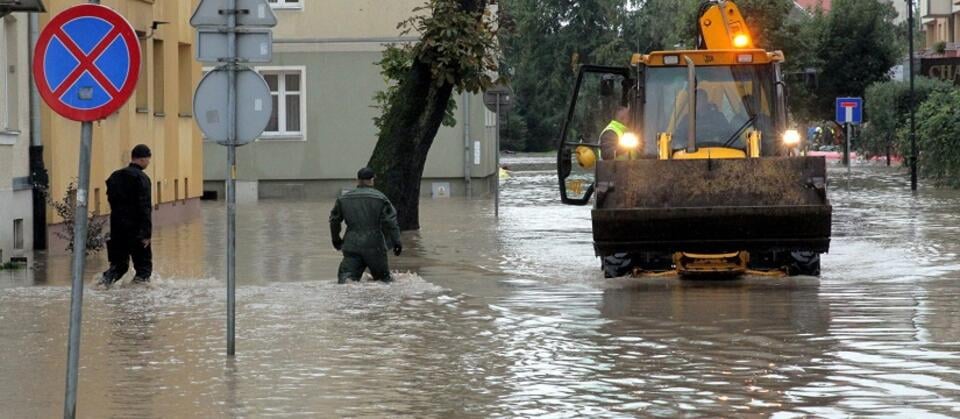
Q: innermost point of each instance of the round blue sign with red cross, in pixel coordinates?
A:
(87, 62)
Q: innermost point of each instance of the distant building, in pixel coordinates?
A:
(939, 21)
(159, 114)
(16, 197)
(827, 5)
(324, 77)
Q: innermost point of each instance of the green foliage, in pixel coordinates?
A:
(459, 46)
(514, 133)
(545, 41)
(938, 136)
(856, 45)
(887, 106)
(66, 208)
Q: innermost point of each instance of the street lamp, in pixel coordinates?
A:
(913, 105)
(10, 6)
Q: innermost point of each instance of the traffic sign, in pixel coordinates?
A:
(210, 13)
(254, 106)
(253, 46)
(849, 110)
(87, 62)
(498, 98)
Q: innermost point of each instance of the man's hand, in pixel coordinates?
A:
(146, 243)
(397, 249)
(337, 243)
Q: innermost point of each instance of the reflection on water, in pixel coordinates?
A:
(503, 319)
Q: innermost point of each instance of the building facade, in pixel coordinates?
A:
(940, 23)
(16, 197)
(159, 115)
(323, 78)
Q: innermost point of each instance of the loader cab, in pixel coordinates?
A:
(737, 96)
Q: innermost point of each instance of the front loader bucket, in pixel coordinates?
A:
(712, 206)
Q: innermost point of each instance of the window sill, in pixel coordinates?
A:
(159, 114)
(282, 138)
(9, 137)
(143, 110)
(185, 115)
(291, 7)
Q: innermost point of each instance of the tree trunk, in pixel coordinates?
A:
(409, 128)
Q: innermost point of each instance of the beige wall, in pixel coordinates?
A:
(159, 114)
(343, 19)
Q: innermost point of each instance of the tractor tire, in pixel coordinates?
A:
(803, 263)
(617, 265)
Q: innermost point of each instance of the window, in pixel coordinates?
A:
(141, 91)
(286, 4)
(286, 88)
(18, 234)
(158, 78)
(185, 68)
(9, 88)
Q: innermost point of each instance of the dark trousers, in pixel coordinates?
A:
(120, 250)
(353, 265)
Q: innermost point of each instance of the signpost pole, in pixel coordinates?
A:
(79, 254)
(913, 119)
(79, 257)
(846, 145)
(232, 177)
(496, 152)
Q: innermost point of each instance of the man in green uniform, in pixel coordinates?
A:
(371, 230)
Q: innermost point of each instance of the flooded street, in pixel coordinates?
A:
(503, 319)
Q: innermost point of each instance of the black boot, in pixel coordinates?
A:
(108, 278)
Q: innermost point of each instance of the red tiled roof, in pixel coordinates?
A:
(812, 4)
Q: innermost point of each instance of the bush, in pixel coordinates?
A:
(888, 112)
(938, 136)
(66, 208)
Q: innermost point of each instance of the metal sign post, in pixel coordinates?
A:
(913, 105)
(846, 145)
(498, 99)
(86, 65)
(223, 38)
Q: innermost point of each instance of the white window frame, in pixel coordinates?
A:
(284, 135)
(286, 4)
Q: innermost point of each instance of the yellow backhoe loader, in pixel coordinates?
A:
(707, 178)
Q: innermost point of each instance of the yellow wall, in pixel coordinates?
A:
(159, 114)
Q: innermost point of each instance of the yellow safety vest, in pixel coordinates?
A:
(618, 128)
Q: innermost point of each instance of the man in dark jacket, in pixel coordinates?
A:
(131, 225)
(371, 229)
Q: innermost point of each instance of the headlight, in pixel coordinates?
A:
(791, 138)
(629, 140)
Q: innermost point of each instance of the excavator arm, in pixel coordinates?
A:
(722, 26)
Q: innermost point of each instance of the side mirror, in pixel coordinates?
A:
(586, 157)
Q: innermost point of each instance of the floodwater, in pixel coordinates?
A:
(504, 319)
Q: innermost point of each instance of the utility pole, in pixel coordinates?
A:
(913, 106)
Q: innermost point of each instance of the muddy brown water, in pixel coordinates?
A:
(503, 319)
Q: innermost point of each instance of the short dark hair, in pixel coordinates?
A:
(140, 151)
(366, 174)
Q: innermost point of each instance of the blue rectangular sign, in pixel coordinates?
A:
(849, 110)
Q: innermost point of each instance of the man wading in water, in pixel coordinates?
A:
(371, 229)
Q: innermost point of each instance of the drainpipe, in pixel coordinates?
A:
(38, 173)
(468, 186)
